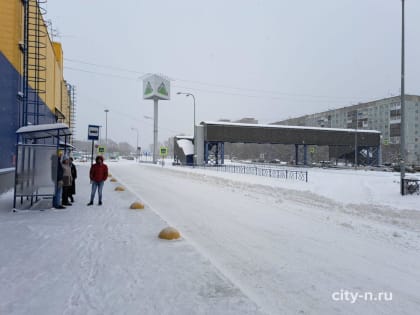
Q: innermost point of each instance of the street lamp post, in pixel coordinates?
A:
(402, 124)
(194, 139)
(106, 131)
(137, 147)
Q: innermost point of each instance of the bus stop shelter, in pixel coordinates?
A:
(215, 134)
(36, 161)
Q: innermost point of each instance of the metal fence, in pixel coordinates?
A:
(259, 171)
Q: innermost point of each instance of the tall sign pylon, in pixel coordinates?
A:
(156, 87)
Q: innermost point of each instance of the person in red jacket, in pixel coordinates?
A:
(98, 175)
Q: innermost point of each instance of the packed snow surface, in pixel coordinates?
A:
(250, 245)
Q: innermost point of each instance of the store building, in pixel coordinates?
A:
(32, 87)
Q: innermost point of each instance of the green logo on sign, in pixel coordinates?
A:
(149, 88)
(162, 89)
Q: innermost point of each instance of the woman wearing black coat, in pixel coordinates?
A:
(73, 183)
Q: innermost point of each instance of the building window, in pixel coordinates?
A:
(395, 130)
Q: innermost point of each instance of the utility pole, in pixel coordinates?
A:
(106, 131)
(194, 135)
(402, 124)
(355, 140)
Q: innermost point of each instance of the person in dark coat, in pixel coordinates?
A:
(73, 176)
(67, 181)
(98, 175)
(57, 171)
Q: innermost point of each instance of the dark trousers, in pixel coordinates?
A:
(66, 194)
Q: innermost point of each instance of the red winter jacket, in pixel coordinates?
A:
(98, 171)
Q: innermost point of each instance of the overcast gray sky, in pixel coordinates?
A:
(267, 59)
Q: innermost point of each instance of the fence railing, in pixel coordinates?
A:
(259, 171)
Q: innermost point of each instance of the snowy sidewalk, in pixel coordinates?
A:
(105, 260)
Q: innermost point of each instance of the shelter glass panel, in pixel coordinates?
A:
(36, 170)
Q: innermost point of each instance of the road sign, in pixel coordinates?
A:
(93, 132)
(312, 149)
(101, 149)
(163, 151)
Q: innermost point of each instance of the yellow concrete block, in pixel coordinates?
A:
(137, 205)
(119, 188)
(113, 180)
(169, 233)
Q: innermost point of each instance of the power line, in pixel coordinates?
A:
(100, 73)
(286, 96)
(335, 98)
(130, 116)
(250, 95)
(104, 66)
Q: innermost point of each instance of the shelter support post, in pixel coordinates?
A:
(206, 152)
(222, 152)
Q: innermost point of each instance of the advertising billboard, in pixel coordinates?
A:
(155, 86)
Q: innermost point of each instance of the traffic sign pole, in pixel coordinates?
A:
(91, 156)
(93, 134)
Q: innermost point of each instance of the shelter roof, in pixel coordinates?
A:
(223, 123)
(281, 134)
(44, 131)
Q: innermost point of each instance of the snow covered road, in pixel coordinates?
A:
(291, 252)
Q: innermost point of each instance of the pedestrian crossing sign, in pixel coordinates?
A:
(101, 149)
(163, 151)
